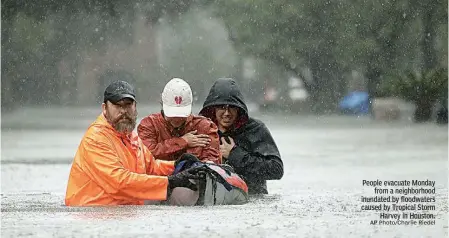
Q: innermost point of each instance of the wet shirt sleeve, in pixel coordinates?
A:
(104, 167)
(157, 167)
(212, 151)
(147, 132)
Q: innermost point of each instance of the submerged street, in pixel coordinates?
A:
(326, 160)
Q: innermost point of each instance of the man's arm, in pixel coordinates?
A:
(147, 133)
(264, 162)
(157, 167)
(104, 167)
(210, 152)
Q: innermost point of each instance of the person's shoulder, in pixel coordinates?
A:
(153, 116)
(200, 122)
(150, 119)
(197, 119)
(95, 133)
(255, 124)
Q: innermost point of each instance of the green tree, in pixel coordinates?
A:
(422, 88)
(405, 60)
(332, 37)
(294, 34)
(53, 29)
(74, 26)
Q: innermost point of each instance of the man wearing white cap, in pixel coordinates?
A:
(176, 134)
(175, 130)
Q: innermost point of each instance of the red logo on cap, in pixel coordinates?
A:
(178, 100)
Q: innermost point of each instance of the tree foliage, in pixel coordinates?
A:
(333, 37)
(417, 86)
(329, 38)
(36, 35)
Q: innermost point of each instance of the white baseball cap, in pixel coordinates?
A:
(177, 98)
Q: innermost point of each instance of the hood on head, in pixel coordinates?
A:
(225, 91)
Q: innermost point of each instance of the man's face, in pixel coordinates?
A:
(122, 115)
(176, 121)
(226, 116)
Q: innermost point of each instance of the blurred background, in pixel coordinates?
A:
(377, 58)
(350, 90)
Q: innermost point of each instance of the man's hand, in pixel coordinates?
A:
(194, 140)
(187, 161)
(183, 178)
(225, 147)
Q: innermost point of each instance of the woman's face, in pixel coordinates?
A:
(226, 116)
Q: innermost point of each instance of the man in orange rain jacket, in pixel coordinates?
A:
(175, 130)
(113, 167)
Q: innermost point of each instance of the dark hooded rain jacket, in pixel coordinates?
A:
(256, 156)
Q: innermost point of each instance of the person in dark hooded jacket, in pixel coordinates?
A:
(245, 143)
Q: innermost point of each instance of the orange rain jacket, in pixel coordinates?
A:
(110, 168)
(165, 142)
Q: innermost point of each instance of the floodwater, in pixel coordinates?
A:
(325, 161)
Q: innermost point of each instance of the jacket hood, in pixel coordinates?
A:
(225, 91)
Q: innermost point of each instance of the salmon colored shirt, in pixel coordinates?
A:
(165, 142)
(110, 168)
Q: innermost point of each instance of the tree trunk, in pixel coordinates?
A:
(328, 85)
(373, 75)
(315, 85)
(423, 111)
(428, 42)
(336, 88)
(8, 63)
